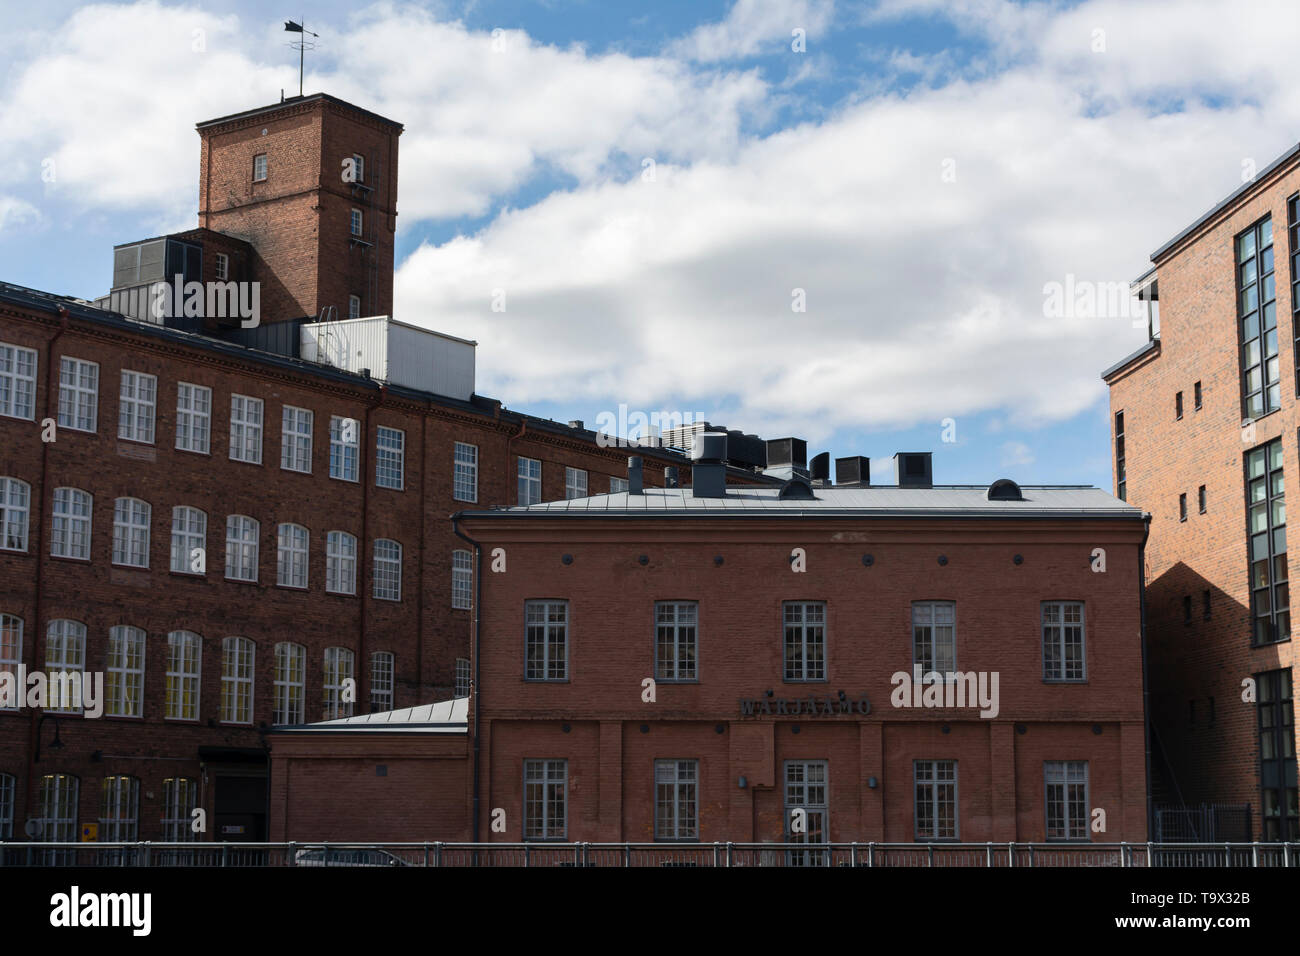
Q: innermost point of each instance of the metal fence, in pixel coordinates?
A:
(1206, 823)
(651, 854)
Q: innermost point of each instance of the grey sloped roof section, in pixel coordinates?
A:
(885, 501)
(442, 717)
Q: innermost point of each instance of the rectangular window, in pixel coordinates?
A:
(358, 168)
(1200, 498)
(934, 637)
(1063, 641)
(11, 651)
(1293, 231)
(70, 524)
(546, 652)
(462, 580)
(1066, 783)
(193, 417)
(1121, 475)
(387, 578)
(545, 786)
(1277, 758)
(1182, 507)
(390, 457)
(17, 381)
(676, 800)
(530, 481)
(617, 485)
(119, 810)
(259, 168)
(135, 411)
(356, 222)
(8, 786)
(290, 683)
(15, 508)
(78, 394)
(465, 483)
(246, 429)
(381, 681)
(936, 799)
(295, 439)
(180, 798)
(354, 307)
(1178, 406)
(58, 801)
(1266, 518)
(1261, 387)
(131, 532)
(237, 659)
(189, 541)
(222, 266)
(676, 625)
(340, 563)
(184, 655)
(807, 788)
(805, 640)
(575, 483)
(124, 672)
(338, 675)
(1196, 396)
(345, 448)
(241, 548)
(291, 564)
(464, 678)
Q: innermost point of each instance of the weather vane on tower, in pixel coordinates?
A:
(301, 46)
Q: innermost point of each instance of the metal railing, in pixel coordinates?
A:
(149, 854)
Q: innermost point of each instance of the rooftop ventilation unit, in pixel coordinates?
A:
(1004, 489)
(855, 470)
(709, 473)
(821, 468)
(913, 469)
(797, 489)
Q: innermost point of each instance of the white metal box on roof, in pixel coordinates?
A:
(394, 352)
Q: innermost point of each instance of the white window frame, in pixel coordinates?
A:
(345, 448)
(131, 520)
(390, 458)
(11, 650)
(261, 169)
(246, 536)
(356, 223)
(222, 264)
(65, 653)
(1056, 670)
(193, 417)
(575, 483)
(292, 555)
(617, 485)
(290, 684)
(465, 479)
(359, 167)
(246, 429)
(383, 670)
(184, 673)
(8, 787)
(932, 783)
(238, 668)
(529, 489)
(809, 668)
(462, 580)
(340, 562)
(15, 514)
(930, 618)
(137, 406)
(180, 798)
(339, 669)
(539, 632)
(57, 803)
(386, 582)
(189, 535)
(354, 307)
(124, 672)
(677, 633)
(1067, 776)
(464, 677)
(78, 394)
(295, 438)
(70, 524)
(17, 381)
(119, 809)
(546, 774)
(676, 799)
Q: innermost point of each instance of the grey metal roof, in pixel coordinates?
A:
(1151, 344)
(442, 717)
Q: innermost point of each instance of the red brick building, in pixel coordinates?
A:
(1205, 439)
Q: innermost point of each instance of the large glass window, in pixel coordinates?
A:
(70, 524)
(345, 448)
(17, 381)
(291, 566)
(545, 786)
(575, 483)
(1261, 387)
(189, 540)
(131, 518)
(241, 548)
(340, 563)
(676, 800)
(119, 814)
(1266, 517)
(390, 457)
(805, 640)
(1066, 796)
(676, 624)
(57, 805)
(1277, 758)
(338, 682)
(65, 659)
(295, 439)
(193, 417)
(465, 481)
(381, 681)
(290, 683)
(137, 400)
(11, 648)
(530, 481)
(124, 672)
(1063, 641)
(807, 802)
(936, 799)
(1121, 472)
(15, 508)
(184, 657)
(180, 797)
(237, 658)
(934, 637)
(78, 394)
(387, 583)
(462, 579)
(246, 429)
(547, 642)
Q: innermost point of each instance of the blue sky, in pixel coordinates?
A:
(920, 173)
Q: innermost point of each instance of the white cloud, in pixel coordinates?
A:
(1016, 453)
(15, 212)
(754, 27)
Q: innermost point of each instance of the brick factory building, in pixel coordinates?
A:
(229, 520)
(1205, 439)
(725, 663)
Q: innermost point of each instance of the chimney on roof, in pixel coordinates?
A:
(821, 469)
(787, 458)
(853, 472)
(709, 471)
(913, 469)
(634, 482)
(670, 476)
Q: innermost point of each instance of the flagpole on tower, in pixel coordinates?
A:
(302, 45)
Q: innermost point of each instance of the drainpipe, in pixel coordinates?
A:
(362, 668)
(476, 695)
(1146, 693)
(419, 562)
(523, 428)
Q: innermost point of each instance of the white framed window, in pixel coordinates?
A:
(184, 658)
(11, 649)
(354, 307)
(65, 654)
(545, 790)
(359, 167)
(193, 417)
(1063, 641)
(617, 485)
(70, 524)
(338, 679)
(934, 637)
(345, 448)
(15, 509)
(295, 439)
(356, 222)
(259, 168)
(223, 266)
(78, 394)
(124, 672)
(17, 381)
(291, 556)
(462, 579)
(340, 563)
(8, 786)
(530, 481)
(676, 800)
(241, 547)
(388, 570)
(390, 457)
(131, 518)
(1066, 799)
(238, 655)
(137, 403)
(546, 641)
(807, 788)
(676, 637)
(119, 809)
(465, 481)
(58, 804)
(575, 483)
(246, 429)
(290, 683)
(464, 677)
(382, 669)
(180, 798)
(189, 540)
(935, 806)
(805, 640)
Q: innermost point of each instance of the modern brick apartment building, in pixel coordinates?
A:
(679, 664)
(1205, 421)
(231, 520)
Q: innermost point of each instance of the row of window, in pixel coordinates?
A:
(1201, 501)
(804, 639)
(58, 799)
(124, 672)
(529, 488)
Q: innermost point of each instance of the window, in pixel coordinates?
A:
(295, 439)
(1121, 476)
(1205, 604)
(193, 417)
(388, 570)
(184, 655)
(575, 483)
(11, 650)
(1277, 760)
(15, 505)
(1066, 783)
(58, 801)
(1196, 396)
(1178, 406)
(807, 789)
(465, 482)
(1200, 498)
(390, 457)
(246, 429)
(65, 661)
(180, 798)
(359, 167)
(70, 525)
(1293, 223)
(805, 640)
(189, 541)
(462, 580)
(934, 637)
(340, 563)
(291, 565)
(119, 809)
(290, 683)
(354, 307)
(259, 168)
(17, 381)
(131, 532)
(545, 783)
(124, 672)
(345, 448)
(8, 786)
(530, 481)
(676, 799)
(617, 485)
(223, 266)
(340, 691)
(675, 640)
(1182, 507)
(241, 548)
(1260, 385)
(356, 222)
(381, 681)
(936, 799)
(237, 659)
(546, 654)
(78, 394)
(1266, 516)
(1063, 649)
(135, 409)
(464, 677)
